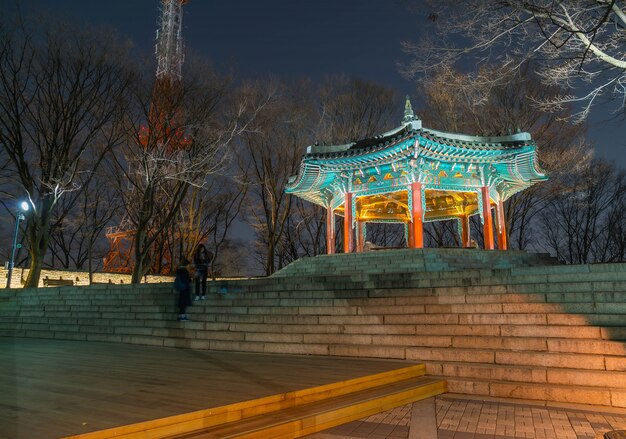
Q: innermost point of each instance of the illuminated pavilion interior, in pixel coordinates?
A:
(413, 175)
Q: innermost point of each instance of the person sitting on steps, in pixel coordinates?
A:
(182, 285)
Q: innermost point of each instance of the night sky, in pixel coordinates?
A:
(294, 38)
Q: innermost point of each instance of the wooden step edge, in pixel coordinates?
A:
(241, 410)
(361, 383)
(384, 405)
(303, 422)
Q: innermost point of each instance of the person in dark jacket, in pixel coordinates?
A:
(201, 260)
(182, 285)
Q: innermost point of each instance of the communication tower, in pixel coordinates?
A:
(169, 40)
(169, 51)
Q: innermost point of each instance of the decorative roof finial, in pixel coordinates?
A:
(409, 116)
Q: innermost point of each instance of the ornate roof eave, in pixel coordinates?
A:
(481, 141)
(508, 164)
(379, 154)
(516, 168)
(442, 152)
(463, 141)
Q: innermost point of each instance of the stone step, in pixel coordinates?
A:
(455, 320)
(520, 285)
(599, 282)
(497, 331)
(608, 396)
(338, 267)
(523, 319)
(514, 358)
(529, 374)
(590, 302)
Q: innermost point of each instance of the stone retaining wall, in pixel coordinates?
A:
(80, 278)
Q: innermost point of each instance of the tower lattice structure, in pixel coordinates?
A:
(169, 51)
(169, 41)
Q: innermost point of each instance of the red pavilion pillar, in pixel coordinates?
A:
(465, 231)
(503, 243)
(348, 234)
(417, 226)
(360, 237)
(330, 231)
(487, 219)
(409, 237)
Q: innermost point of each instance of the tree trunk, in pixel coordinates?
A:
(89, 265)
(34, 274)
(141, 255)
(38, 246)
(39, 238)
(215, 253)
(271, 254)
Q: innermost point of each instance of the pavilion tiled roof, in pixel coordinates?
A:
(509, 163)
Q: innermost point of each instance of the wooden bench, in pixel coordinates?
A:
(47, 282)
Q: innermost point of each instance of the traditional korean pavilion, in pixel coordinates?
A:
(413, 175)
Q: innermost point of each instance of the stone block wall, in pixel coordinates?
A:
(80, 278)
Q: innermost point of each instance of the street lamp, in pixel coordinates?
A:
(20, 217)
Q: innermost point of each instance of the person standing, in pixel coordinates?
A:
(201, 259)
(182, 285)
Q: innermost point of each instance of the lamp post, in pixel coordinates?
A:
(20, 217)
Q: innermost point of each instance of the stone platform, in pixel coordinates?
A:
(50, 389)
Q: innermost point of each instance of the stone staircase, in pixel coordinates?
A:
(413, 260)
(498, 324)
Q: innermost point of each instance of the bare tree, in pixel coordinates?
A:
(479, 104)
(77, 233)
(348, 109)
(304, 233)
(574, 43)
(442, 234)
(62, 94)
(270, 155)
(340, 110)
(193, 225)
(225, 210)
(581, 225)
(233, 260)
(615, 240)
(178, 137)
(351, 109)
(386, 235)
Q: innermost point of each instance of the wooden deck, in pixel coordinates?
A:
(52, 388)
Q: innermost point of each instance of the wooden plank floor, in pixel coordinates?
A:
(51, 388)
